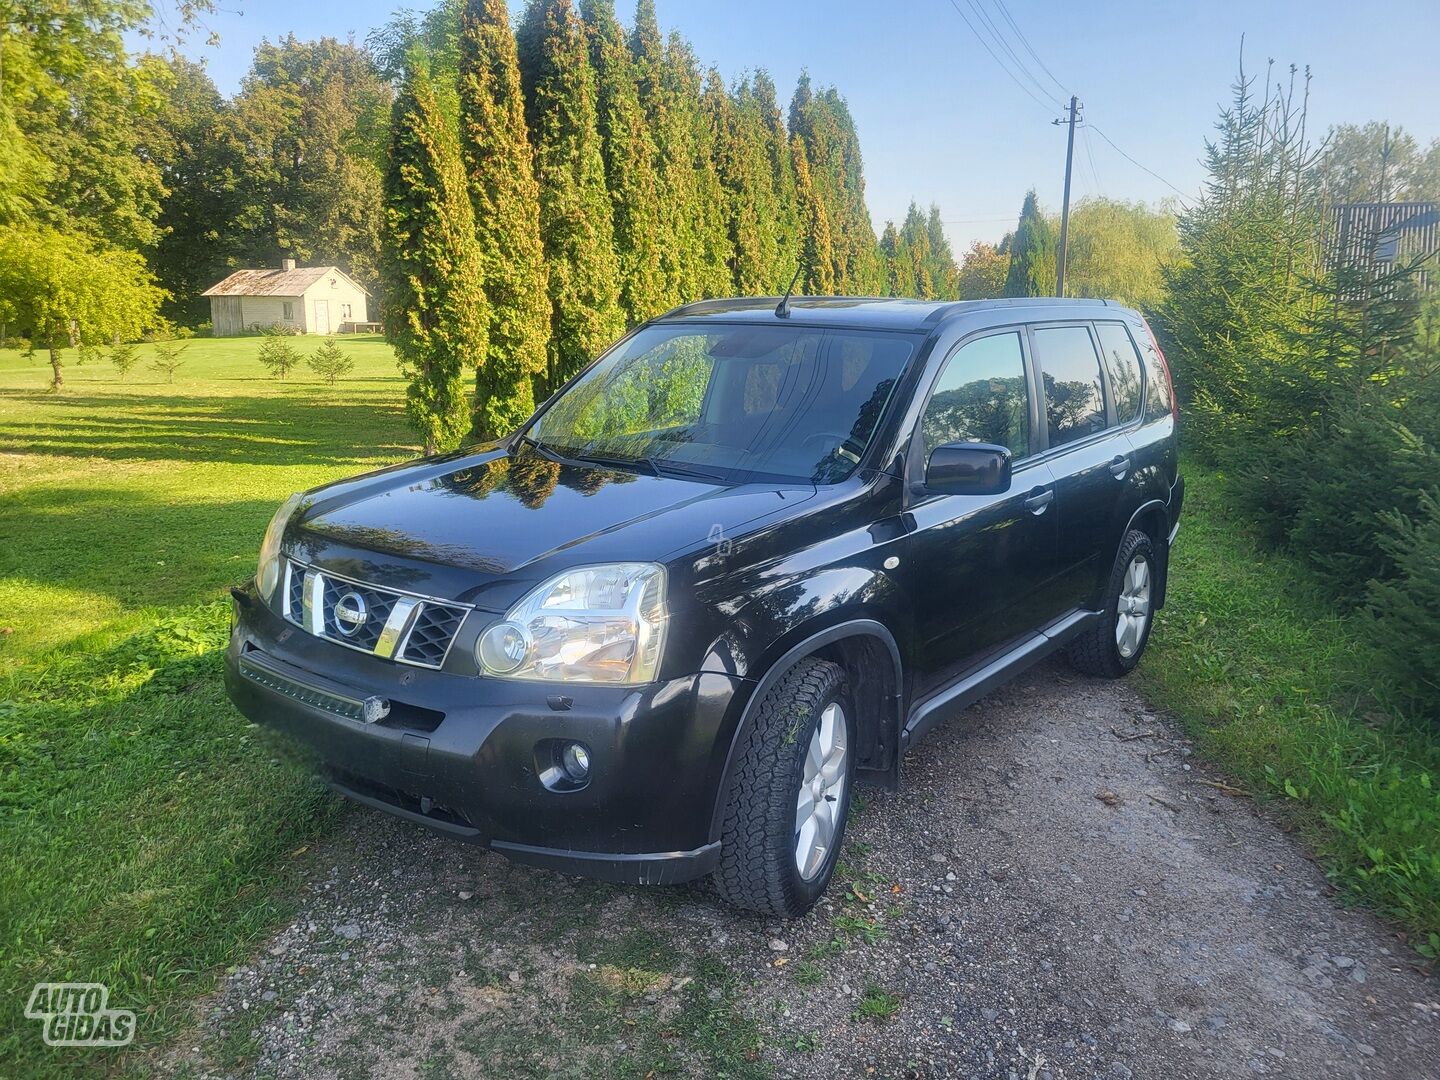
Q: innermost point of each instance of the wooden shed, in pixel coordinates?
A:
(305, 299)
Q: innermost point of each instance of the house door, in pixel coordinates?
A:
(322, 316)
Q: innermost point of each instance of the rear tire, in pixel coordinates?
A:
(1114, 646)
(789, 797)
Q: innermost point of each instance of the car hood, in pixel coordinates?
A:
(483, 528)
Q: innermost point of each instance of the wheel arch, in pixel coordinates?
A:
(1153, 519)
(868, 653)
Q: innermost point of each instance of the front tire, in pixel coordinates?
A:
(1114, 646)
(789, 797)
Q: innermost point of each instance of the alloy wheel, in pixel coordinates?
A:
(1132, 611)
(822, 787)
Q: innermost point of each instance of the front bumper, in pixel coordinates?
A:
(468, 756)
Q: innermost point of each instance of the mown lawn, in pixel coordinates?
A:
(1288, 696)
(147, 832)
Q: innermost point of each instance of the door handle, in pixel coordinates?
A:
(1119, 467)
(1039, 500)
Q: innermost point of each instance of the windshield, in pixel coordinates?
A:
(732, 403)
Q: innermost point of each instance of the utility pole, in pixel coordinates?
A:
(1074, 115)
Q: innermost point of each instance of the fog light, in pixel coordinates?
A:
(575, 760)
(502, 648)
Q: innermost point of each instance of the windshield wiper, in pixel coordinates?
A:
(541, 448)
(619, 462)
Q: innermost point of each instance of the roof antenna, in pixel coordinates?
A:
(782, 309)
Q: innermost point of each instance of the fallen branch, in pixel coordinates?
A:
(1224, 788)
(1168, 805)
(1132, 738)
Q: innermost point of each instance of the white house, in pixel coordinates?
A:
(307, 299)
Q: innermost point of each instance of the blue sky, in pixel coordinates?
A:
(938, 118)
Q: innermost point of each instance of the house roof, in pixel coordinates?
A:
(271, 282)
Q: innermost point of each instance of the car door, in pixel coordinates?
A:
(976, 562)
(1089, 456)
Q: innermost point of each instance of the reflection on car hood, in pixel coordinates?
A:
(456, 524)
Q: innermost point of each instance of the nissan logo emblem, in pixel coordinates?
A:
(350, 613)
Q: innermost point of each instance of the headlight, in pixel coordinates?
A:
(595, 624)
(267, 573)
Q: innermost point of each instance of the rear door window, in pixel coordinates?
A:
(1074, 394)
(981, 397)
(1122, 365)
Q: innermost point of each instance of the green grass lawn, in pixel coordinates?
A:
(150, 835)
(1285, 693)
(147, 831)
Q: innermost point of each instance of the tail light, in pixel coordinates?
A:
(1165, 367)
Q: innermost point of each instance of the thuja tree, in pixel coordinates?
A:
(436, 307)
(1032, 253)
(575, 212)
(629, 153)
(499, 163)
(817, 256)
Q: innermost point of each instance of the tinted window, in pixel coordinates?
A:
(1157, 389)
(1122, 365)
(1074, 402)
(981, 397)
(733, 402)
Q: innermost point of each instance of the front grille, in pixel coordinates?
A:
(431, 635)
(392, 625)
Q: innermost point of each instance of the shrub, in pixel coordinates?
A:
(277, 355)
(124, 358)
(167, 359)
(1407, 607)
(329, 362)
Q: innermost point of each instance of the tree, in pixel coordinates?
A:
(817, 258)
(899, 266)
(1377, 162)
(330, 362)
(915, 243)
(277, 355)
(124, 358)
(167, 359)
(737, 136)
(575, 211)
(629, 154)
(1119, 251)
(943, 271)
(63, 289)
(200, 169)
(500, 168)
(1032, 253)
(982, 272)
(683, 84)
(436, 313)
(308, 187)
(762, 98)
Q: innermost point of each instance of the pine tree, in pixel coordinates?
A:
(1032, 253)
(817, 257)
(499, 162)
(629, 153)
(575, 211)
(436, 313)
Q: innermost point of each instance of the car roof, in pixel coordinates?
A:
(889, 313)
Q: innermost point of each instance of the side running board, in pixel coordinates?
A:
(969, 688)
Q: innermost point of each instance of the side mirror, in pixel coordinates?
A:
(964, 468)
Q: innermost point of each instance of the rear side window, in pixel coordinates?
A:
(981, 397)
(1074, 400)
(1122, 365)
(1157, 387)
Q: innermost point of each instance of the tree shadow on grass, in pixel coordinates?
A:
(279, 430)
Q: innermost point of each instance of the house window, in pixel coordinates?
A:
(287, 311)
(345, 311)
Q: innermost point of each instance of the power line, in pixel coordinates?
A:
(1015, 59)
(1090, 156)
(1013, 78)
(1137, 164)
(1024, 41)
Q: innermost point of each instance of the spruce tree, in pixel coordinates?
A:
(575, 211)
(817, 257)
(430, 265)
(1032, 253)
(500, 167)
(629, 153)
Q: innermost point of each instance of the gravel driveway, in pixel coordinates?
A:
(1055, 893)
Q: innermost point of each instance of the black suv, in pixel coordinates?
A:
(740, 563)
